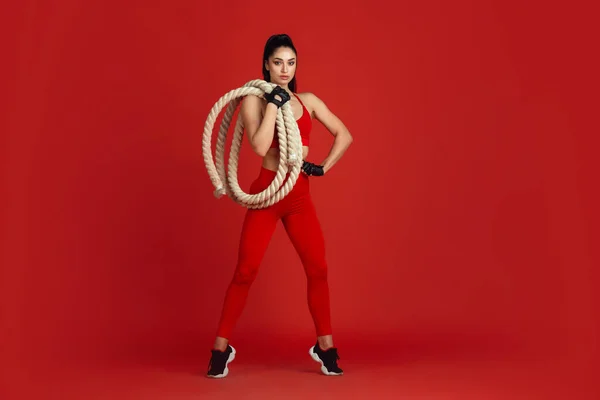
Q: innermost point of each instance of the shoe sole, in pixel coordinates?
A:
(226, 370)
(315, 357)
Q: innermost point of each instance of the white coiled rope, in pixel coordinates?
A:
(290, 149)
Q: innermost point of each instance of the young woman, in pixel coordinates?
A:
(296, 210)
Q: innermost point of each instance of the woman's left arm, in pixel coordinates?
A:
(342, 137)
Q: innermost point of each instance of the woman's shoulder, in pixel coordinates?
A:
(252, 105)
(308, 96)
(309, 99)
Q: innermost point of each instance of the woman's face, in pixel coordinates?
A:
(282, 66)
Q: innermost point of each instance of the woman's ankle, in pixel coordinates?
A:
(220, 344)
(325, 342)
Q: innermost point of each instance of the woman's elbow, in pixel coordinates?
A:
(260, 149)
(349, 138)
(261, 152)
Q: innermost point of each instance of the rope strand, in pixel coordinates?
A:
(290, 149)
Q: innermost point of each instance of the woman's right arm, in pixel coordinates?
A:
(260, 130)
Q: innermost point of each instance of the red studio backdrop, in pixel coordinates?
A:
(461, 218)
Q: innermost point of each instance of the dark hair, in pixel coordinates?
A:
(273, 43)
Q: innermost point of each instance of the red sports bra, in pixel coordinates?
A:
(304, 125)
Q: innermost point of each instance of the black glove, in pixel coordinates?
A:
(312, 169)
(277, 90)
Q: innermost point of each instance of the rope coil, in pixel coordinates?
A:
(290, 149)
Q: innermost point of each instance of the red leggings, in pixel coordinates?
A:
(299, 218)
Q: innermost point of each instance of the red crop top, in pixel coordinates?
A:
(304, 125)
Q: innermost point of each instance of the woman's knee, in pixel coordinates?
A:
(316, 270)
(245, 274)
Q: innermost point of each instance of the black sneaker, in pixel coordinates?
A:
(217, 367)
(327, 358)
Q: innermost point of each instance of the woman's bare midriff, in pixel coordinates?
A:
(271, 160)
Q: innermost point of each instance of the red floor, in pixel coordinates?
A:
(449, 373)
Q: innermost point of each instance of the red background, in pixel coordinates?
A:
(460, 220)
